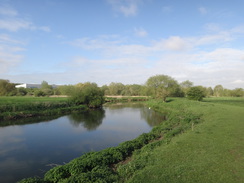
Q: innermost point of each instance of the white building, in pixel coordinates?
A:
(25, 85)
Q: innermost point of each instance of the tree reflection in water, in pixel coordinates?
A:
(90, 119)
(152, 117)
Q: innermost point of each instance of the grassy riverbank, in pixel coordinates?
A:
(12, 108)
(210, 152)
(199, 142)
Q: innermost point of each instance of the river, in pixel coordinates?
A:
(31, 149)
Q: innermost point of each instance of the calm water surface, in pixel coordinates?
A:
(32, 149)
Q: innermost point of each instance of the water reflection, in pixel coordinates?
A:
(152, 117)
(90, 119)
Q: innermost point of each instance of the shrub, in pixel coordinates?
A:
(57, 173)
(195, 93)
(89, 94)
(32, 180)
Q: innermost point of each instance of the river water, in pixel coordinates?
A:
(31, 149)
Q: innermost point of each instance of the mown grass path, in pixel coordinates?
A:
(212, 152)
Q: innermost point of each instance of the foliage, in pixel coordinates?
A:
(23, 107)
(219, 91)
(7, 88)
(66, 89)
(185, 86)
(39, 93)
(162, 86)
(238, 92)
(32, 180)
(195, 93)
(89, 94)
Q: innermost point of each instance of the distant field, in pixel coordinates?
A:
(12, 108)
(21, 100)
(236, 101)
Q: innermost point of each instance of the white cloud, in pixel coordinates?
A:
(119, 59)
(9, 53)
(214, 38)
(128, 10)
(140, 32)
(238, 81)
(14, 24)
(126, 7)
(12, 21)
(175, 43)
(203, 10)
(7, 11)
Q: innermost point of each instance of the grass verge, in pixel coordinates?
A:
(210, 152)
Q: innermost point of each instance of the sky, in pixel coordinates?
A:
(127, 41)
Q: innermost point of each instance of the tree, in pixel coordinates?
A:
(7, 88)
(210, 92)
(195, 93)
(186, 85)
(21, 91)
(66, 89)
(46, 89)
(89, 94)
(132, 90)
(238, 92)
(162, 86)
(218, 91)
(116, 88)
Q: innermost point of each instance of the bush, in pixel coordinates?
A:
(89, 94)
(32, 180)
(195, 93)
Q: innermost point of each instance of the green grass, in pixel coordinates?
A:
(211, 152)
(12, 108)
(22, 100)
(227, 100)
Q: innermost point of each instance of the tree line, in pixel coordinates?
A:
(158, 86)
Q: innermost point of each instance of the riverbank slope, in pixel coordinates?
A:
(212, 151)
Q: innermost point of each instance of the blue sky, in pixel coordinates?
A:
(127, 41)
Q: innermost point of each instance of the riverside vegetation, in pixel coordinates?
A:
(178, 150)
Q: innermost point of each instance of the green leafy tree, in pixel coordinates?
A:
(210, 92)
(21, 91)
(162, 86)
(7, 88)
(89, 94)
(185, 86)
(195, 93)
(238, 92)
(46, 88)
(218, 91)
(66, 89)
(116, 88)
